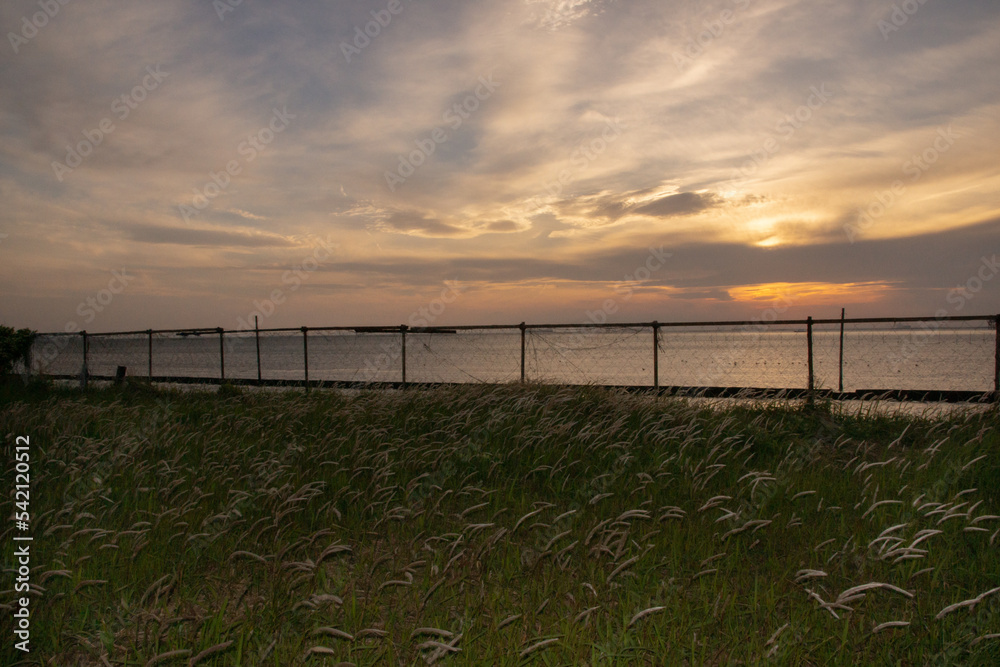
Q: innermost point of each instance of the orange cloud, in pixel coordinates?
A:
(812, 293)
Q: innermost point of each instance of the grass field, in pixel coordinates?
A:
(499, 526)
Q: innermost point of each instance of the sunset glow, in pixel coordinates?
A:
(824, 294)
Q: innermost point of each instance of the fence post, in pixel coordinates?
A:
(256, 334)
(222, 355)
(841, 383)
(996, 358)
(656, 355)
(522, 326)
(809, 339)
(402, 343)
(149, 333)
(305, 353)
(84, 372)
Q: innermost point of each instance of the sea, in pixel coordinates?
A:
(962, 359)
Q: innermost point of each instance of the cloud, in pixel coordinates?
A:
(503, 226)
(529, 188)
(556, 14)
(925, 261)
(408, 222)
(684, 203)
(246, 214)
(204, 237)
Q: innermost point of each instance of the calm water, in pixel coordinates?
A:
(873, 359)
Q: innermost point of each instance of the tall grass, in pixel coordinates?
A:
(502, 526)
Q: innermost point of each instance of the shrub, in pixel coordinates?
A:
(15, 345)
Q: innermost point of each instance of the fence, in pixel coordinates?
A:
(952, 358)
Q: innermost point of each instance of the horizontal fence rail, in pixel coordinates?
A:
(923, 358)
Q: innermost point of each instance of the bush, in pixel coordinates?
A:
(15, 345)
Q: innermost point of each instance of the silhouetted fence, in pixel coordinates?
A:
(952, 358)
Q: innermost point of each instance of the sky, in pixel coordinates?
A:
(179, 164)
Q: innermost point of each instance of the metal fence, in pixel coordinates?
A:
(952, 358)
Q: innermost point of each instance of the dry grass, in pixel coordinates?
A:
(502, 526)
